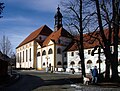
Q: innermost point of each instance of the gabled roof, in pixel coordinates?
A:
(88, 41)
(56, 35)
(44, 30)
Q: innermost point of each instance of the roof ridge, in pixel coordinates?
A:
(34, 35)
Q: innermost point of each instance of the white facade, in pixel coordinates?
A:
(25, 55)
(52, 55)
(90, 61)
(45, 59)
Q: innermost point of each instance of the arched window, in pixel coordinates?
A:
(99, 61)
(44, 64)
(50, 65)
(38, 54)
(44, 53)
(50, 51)
(58, 51)
(72, 63)
(89, 62)
(79, 62)
(59, 63)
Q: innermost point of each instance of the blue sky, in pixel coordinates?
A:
(21, 17)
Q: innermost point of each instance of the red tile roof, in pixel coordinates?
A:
(89, 42)
(56, 35)
(44, 30)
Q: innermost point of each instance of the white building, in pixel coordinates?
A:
(74, 61)
(44, 47)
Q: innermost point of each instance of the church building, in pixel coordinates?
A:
(44, 47)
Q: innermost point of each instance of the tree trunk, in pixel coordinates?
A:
(115, 40)
(105, 42)
(107, 72)
(81, 42)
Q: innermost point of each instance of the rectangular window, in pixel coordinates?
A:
(111, 49)
(26, 56)
(72, 53)
(23, 56)
(89, 51)
(30, 54)
(20, 57)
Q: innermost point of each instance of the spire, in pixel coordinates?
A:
(58, 19)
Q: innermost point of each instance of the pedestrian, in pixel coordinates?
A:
(94, 75)
(47, 69)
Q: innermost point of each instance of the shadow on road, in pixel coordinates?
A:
(25, 83)
(30, 82)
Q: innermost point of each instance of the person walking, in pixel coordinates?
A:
(94, 75)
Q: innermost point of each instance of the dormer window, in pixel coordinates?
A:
(72, 53)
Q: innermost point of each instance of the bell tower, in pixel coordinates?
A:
(58, 20)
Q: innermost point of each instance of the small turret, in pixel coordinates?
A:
(58, 20)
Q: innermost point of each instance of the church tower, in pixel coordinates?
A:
(58, 20)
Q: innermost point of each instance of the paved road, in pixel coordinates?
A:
(31, 80)
(42, 81)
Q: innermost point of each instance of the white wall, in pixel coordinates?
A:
(94, 58)
(48, 58)
(26, 63)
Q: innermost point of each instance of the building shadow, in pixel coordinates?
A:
(30, 82)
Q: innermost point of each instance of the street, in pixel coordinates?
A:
(41, 81)
(30, 80)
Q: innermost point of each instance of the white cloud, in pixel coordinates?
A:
(16, 19)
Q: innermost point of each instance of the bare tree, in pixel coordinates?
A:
(77, 16)
(116, 20)
(109, 15)
(5, 46)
